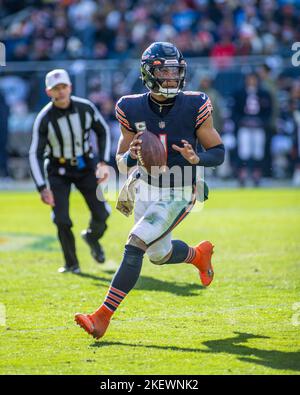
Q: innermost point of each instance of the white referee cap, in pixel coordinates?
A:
(55, 77)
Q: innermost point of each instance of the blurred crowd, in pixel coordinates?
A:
(259, 124)
(256, 111)
(106, 29)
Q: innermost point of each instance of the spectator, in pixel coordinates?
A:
(248, 43)
(269, 84)
(223, 52)
(282, 142)
(121, 30)
(252, 110)
(231, 28)
(81, 17)
(295, 94)
(4, 113)
(206, 85)
(14, 88)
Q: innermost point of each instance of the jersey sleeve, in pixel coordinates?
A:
(102, 132)
(37, 150)
(204, 111)
(122, 114)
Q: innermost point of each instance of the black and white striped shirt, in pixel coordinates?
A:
(64, 133)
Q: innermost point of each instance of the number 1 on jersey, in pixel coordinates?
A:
(163, 139)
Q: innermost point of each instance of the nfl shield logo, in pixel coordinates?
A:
(162, 124)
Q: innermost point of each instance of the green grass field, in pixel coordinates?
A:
(246, 322)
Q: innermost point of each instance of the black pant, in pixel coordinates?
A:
(86, 182)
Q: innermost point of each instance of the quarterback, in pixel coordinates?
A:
(182, 120)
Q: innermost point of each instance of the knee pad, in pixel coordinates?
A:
(159, 259)
(158, 262)
(159, 252)
(135, 241)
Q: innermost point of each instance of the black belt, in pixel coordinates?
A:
(68, 162)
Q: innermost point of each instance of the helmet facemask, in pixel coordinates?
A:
(164, 77)
(169, 79)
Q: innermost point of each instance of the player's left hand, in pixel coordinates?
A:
(102, 172)
(187, 152)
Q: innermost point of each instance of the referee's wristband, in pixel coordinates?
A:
(41, 187)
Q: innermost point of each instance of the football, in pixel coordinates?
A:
(152, 155)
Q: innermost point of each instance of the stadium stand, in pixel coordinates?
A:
(100, 42)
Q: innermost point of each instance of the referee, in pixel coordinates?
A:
(60, 144)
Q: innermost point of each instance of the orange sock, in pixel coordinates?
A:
(191, 257)
(103, 311)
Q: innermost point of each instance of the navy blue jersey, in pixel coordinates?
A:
(189, 111)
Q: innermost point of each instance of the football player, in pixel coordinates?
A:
(181, 120)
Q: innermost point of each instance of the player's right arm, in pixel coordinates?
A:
(129, 142)
(207, 136)
(128, 146)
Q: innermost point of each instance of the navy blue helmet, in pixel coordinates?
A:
(163, 69)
